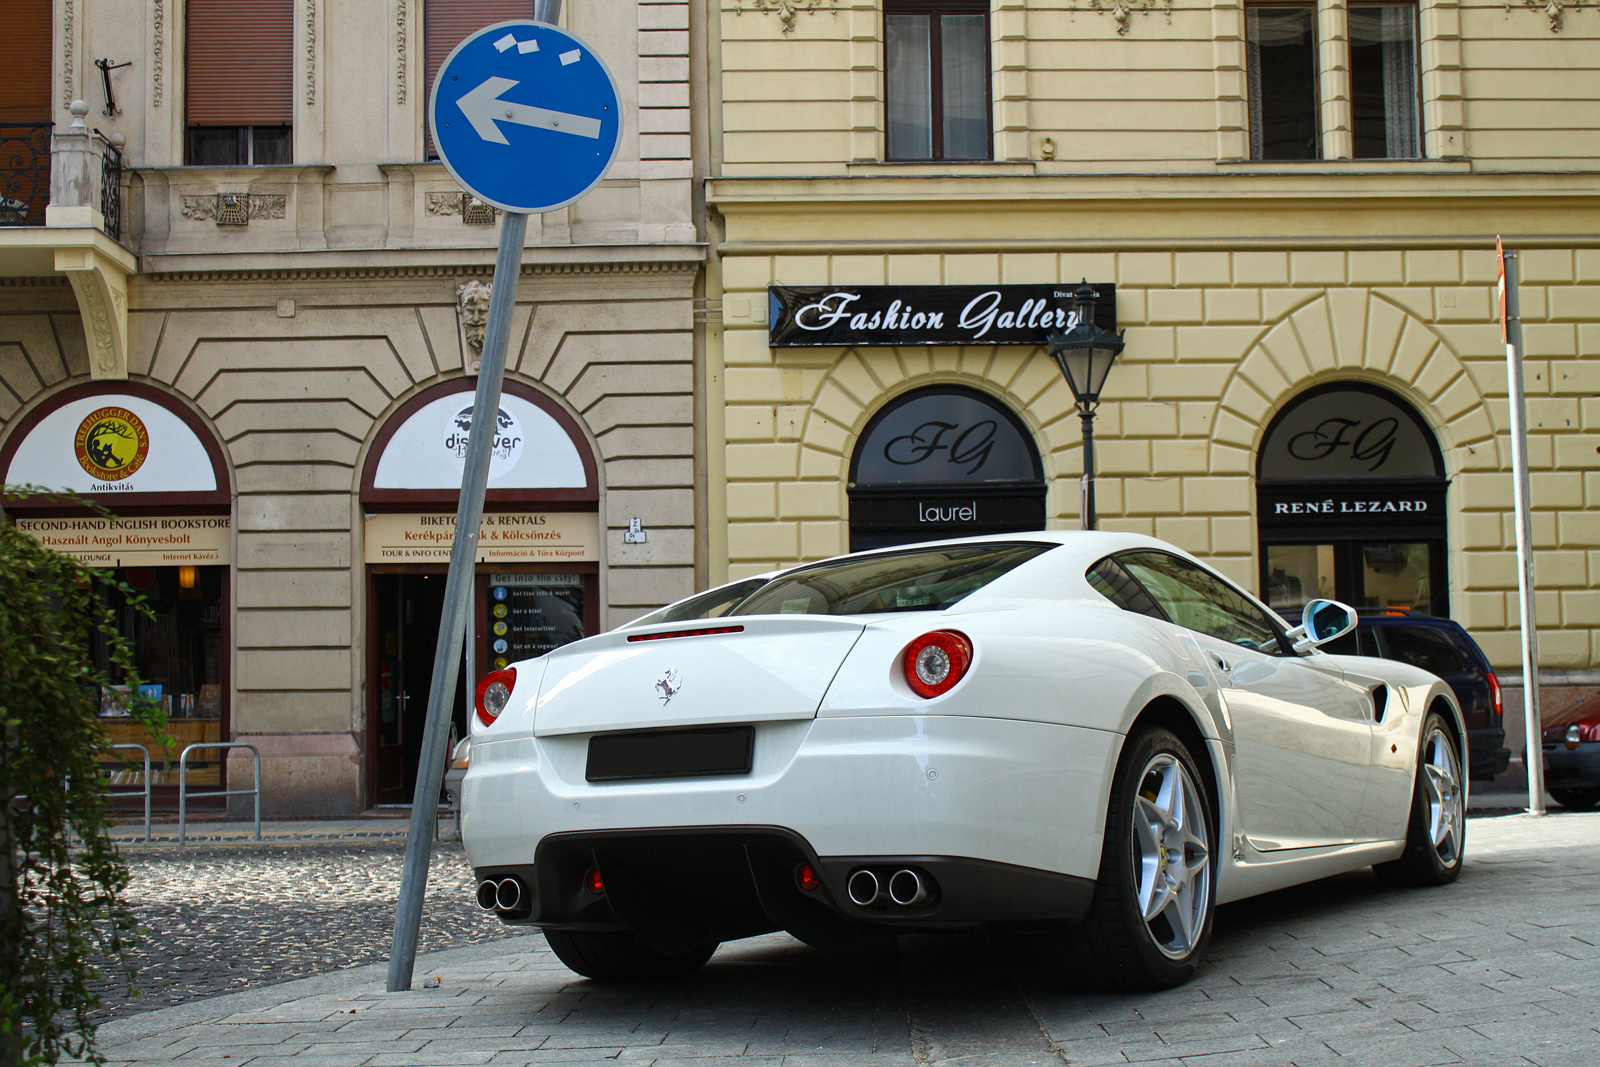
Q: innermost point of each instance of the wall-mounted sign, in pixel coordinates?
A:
(533, 613)
(1379, 503)
(113, 443)
(140, 542)
(1348, 431)
(504, 537)
(428, 450)
(862, 315)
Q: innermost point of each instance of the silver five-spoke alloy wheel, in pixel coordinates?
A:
(1441, 779)
(1171, 856)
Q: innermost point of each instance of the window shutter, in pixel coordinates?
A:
(240, 63)
(449, 22)
(25, 88)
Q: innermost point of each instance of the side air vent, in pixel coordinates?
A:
(1380, 702)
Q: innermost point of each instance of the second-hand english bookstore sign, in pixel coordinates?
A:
(862, 315)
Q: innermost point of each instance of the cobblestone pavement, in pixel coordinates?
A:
(221, 918)
(1501, 968)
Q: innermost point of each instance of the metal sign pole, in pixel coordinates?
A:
(457, 602)
(1512, 324)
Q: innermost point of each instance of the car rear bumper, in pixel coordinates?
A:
(1487, 755)
(1572, 768)
(1006, 816)
(682, 886)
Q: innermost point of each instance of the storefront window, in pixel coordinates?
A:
(178, 653)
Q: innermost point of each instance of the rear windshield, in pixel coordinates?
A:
(711, 604)
(929, 579)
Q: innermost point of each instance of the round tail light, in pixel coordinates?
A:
(936, 661)
(494, 693)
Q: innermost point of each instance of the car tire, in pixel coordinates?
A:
(1577, 799)
(1150, 918)
(622, 956)
(1436, 832)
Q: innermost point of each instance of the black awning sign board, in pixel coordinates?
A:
(876, 315)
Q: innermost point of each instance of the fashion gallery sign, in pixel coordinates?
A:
(860, 315)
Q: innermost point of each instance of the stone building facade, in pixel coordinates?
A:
(299, 312)
(1134, 146)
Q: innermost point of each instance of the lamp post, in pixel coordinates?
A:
(1085, 354)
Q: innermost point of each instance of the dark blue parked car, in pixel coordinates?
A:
(1444, 648)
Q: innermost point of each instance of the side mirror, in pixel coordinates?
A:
(1322, 621)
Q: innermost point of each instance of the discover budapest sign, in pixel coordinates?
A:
(861, 315)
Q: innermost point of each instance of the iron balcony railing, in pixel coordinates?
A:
(24, 172)
(111, 187)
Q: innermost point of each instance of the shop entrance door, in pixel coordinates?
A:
(404, 628)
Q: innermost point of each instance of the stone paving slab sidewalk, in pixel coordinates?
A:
(1501, 968)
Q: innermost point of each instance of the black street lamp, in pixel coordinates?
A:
(1085, 354)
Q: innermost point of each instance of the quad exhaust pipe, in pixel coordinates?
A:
(904, 888)
(502, 895)
(907, 888)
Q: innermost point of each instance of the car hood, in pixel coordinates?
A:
(772, 667)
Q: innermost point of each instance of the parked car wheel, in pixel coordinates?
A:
(1436, 835)
(1153, 904)
(1577, 799)
(622, 956)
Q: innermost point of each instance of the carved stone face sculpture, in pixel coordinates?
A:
(472, 305)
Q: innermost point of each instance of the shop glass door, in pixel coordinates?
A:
(408, 607)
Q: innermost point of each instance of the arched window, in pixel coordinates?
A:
(1350, 493)
(943, 461)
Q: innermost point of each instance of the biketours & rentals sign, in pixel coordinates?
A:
(864, 315)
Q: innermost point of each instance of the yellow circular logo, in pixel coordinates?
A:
(112, 443)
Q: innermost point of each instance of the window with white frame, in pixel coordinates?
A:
(936, 63)
(1377, 51)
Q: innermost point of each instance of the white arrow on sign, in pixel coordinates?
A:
(485, 110)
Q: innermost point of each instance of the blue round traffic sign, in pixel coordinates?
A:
(525, 116)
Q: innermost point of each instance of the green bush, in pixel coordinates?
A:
(60, 873)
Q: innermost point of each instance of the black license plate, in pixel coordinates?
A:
(696, 753)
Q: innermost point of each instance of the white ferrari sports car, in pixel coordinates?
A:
(1090, 737)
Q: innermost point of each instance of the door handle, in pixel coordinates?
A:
(1222, 664)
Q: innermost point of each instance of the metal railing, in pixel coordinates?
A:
(110, 187)
(25, 172)
(183, 784)
(145, 792)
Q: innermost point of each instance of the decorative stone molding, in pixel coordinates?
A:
(1122, 10)
(157, 49)
(473, 212)
(101, 286)
(1554, 10)
(685, 267)
(68, 32)
(234, 209)
(400, 17)
(786, 10)
(472, 310)
(311, 52)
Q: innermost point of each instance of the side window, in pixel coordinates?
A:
(1195, 598)
(1117, 586)
(1423, 647)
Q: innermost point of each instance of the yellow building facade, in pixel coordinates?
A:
(1132, 145)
